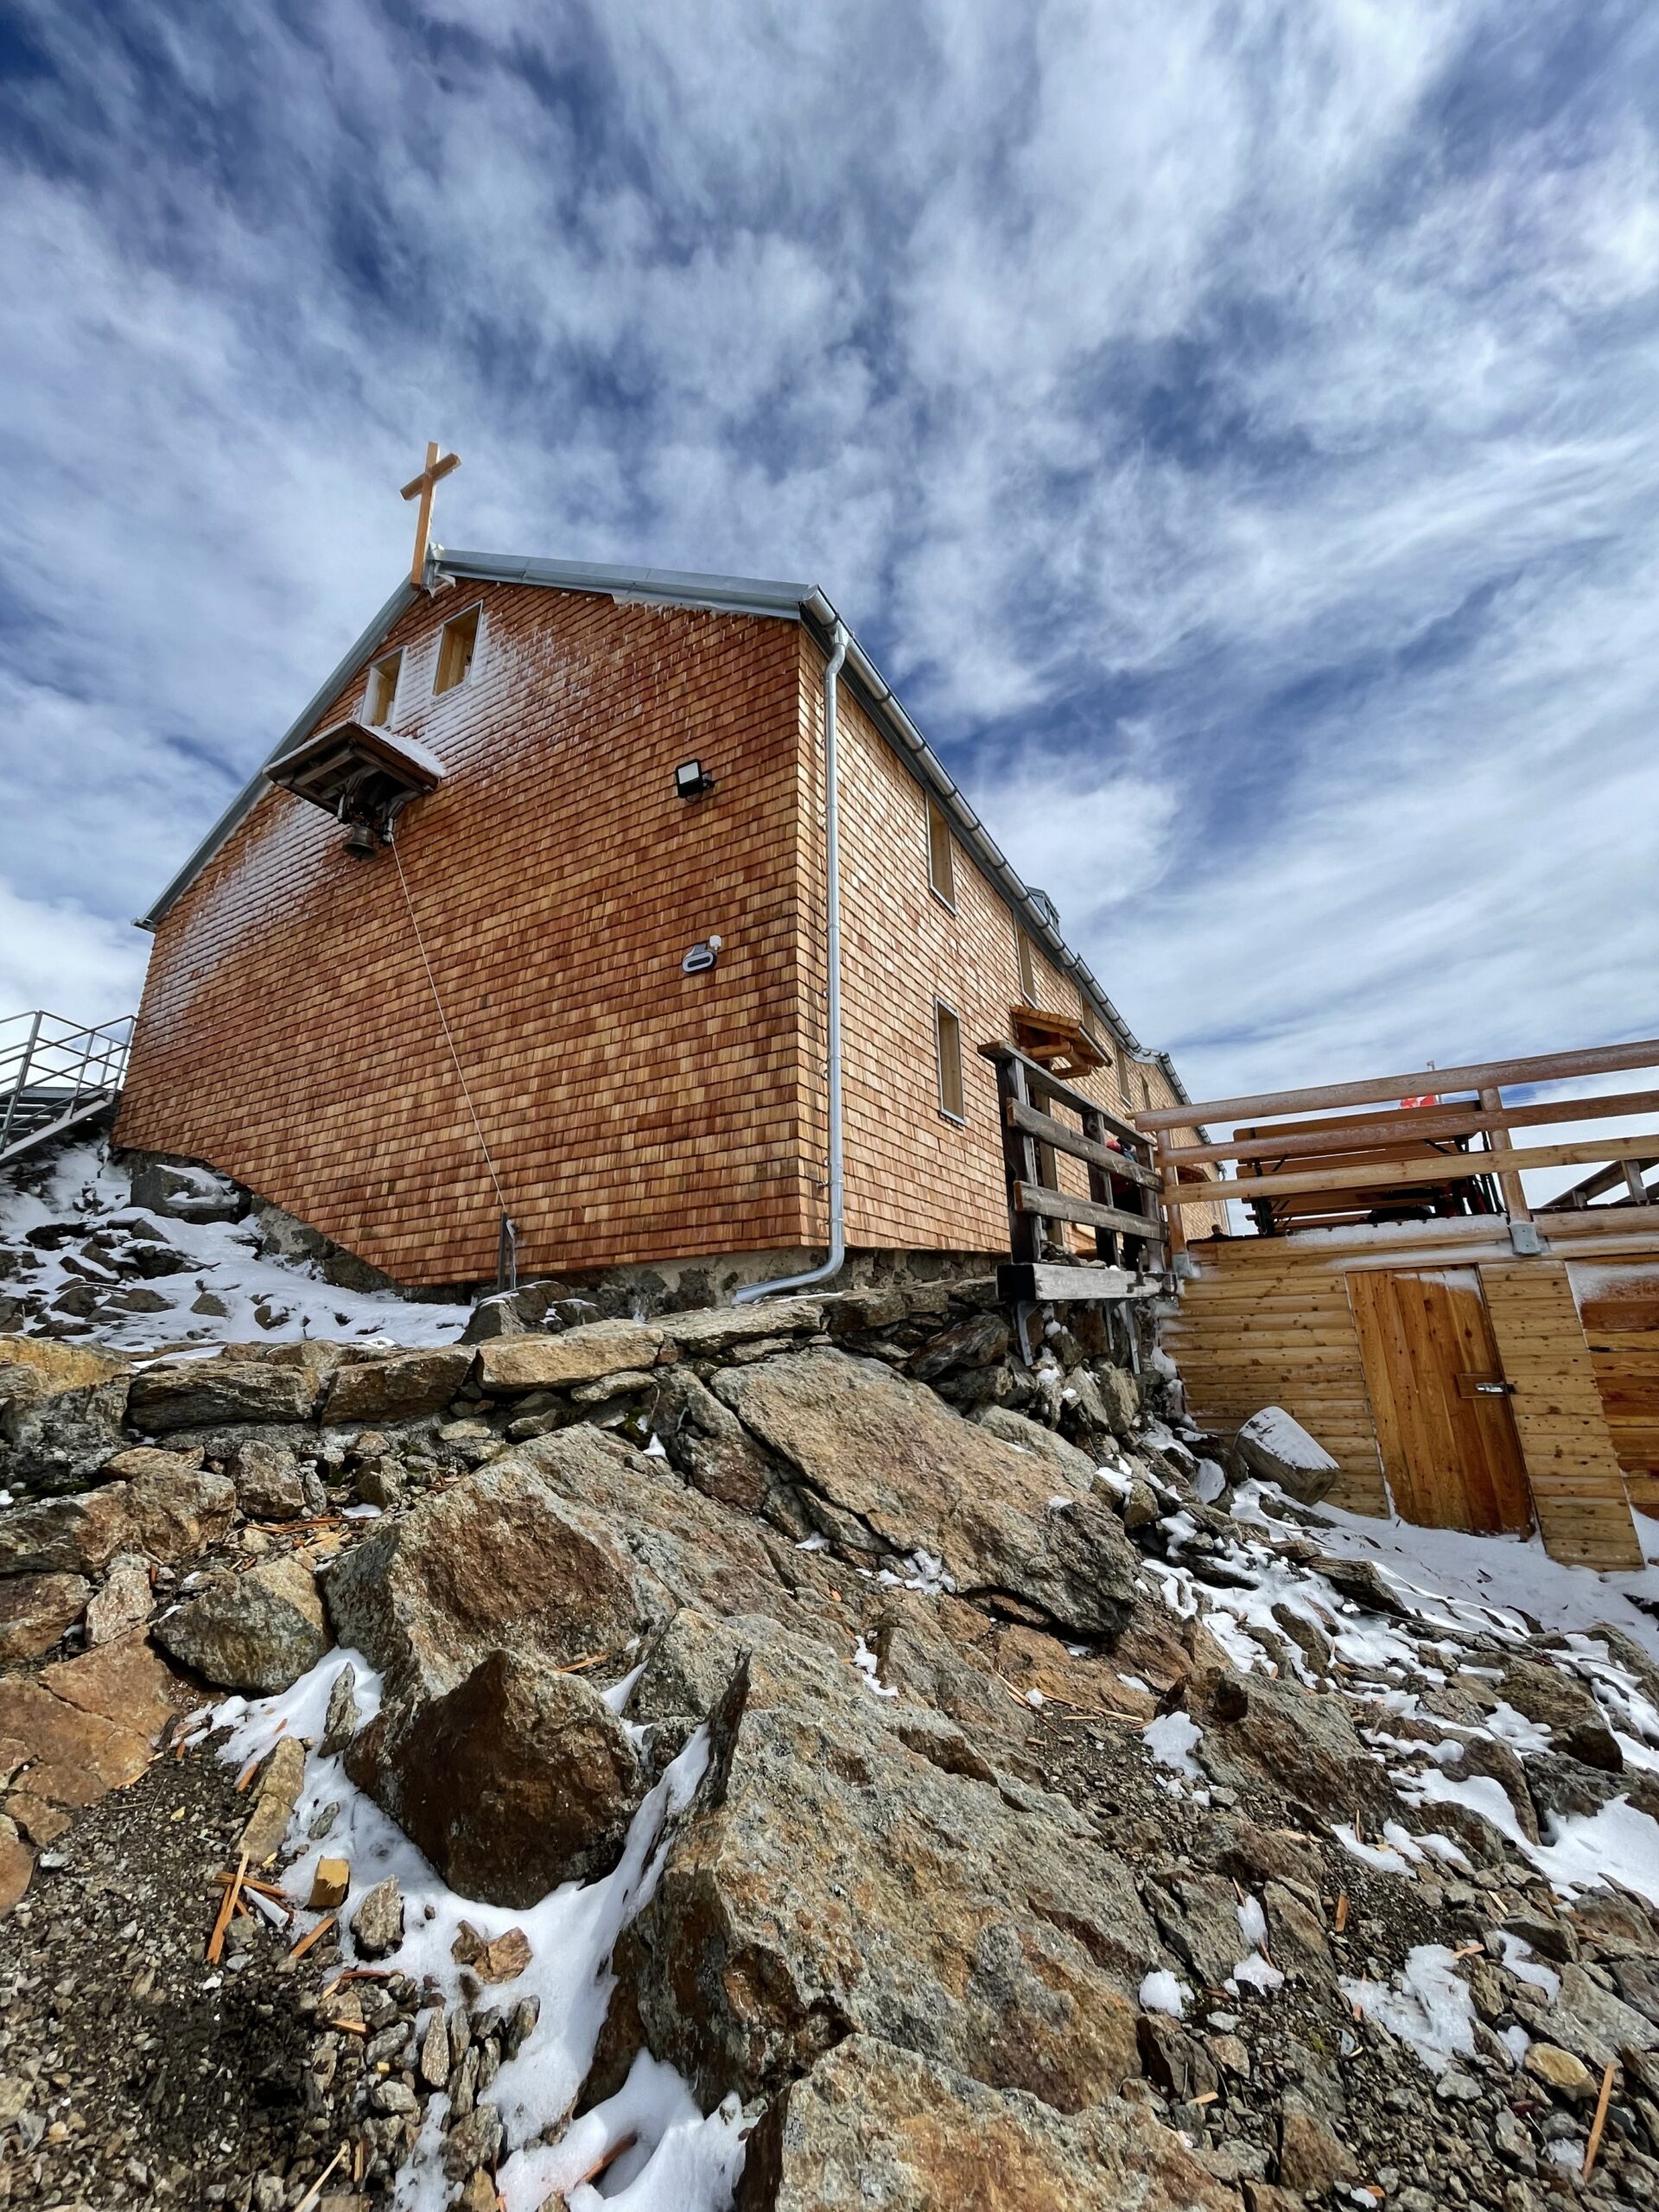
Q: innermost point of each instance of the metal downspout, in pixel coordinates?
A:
(832, 1265)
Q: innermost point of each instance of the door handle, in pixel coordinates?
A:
(1484, 1386)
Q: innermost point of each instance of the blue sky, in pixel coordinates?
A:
(1233, 428)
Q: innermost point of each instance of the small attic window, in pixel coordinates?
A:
(457, 643)
(941, 862)
(382, 690)
(1027, 967)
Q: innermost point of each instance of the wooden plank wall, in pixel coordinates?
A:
(1619, 1309)
(1577, 1486)
(1252, 1333)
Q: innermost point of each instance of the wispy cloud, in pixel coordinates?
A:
(1232, 426)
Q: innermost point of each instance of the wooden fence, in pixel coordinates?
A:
(1336, 1166)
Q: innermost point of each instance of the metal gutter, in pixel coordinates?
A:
(254, 789)
(659, 587)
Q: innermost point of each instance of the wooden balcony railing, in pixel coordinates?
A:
(1122, 1209)
(1337, 1164)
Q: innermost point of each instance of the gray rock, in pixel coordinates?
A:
(710, 1446)
(979, 1341)
(1275, 1448)
(170, 1516)
(36, 1609)
(259, 1632)
(199, 1393)
(271, 1484)
(187, 1193)
(873, 2124)
(378, 1923)
(920, 1478)
(56, 1440)
(342, 1720)
(396, 1386)
(517, 1779)
(499, 1560)
(1075, 1467)
(831, 1879)
(125, 1600)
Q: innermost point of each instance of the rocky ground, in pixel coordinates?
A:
(796, 1756)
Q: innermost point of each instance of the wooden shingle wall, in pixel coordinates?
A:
(917, 1180)
(288, 1034)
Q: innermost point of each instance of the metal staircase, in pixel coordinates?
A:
(55, 1075)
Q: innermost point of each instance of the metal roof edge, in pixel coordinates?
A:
(665, 587)
(242, 803)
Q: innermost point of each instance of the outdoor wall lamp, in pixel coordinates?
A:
(691, 780)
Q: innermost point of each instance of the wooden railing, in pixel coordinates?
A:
(1122, 1209)
(1337, 1165)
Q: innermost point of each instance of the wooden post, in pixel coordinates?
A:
(1175, 1228)
(1102, 1191)
(1515, 1197)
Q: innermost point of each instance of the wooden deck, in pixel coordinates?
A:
(1486, 1370)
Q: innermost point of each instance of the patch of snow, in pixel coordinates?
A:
(1256, 1973)
(1171, 1739)
(1381, 1857)
(1517, 1957)
(1209, 1481)
(224, 1259)
(1427, 2005)
(1253, 1924)
(865, 1660)
(1161, 1992)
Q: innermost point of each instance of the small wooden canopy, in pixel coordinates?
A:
(1055, 1042)
(356, 774)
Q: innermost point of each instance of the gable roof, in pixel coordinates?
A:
(792, 602)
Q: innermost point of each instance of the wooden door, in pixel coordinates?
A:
(1439, 1399)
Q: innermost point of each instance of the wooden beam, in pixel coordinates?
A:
(1056, 1205)
(1485, 1075)
(1515, 1197)
(1362, 1135)
(1049, 1282)
(1039, 1079)
(1064, 1138)
(1383, 1174)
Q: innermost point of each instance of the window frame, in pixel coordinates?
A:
(940, 837)
(476, 610)
(377, 670)
(1025, 961)
(944, 1012)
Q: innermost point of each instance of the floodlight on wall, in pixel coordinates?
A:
(692, 780)
(702, 958)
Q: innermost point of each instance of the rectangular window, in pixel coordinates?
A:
(947, 1045)
(456, 646)
(1027, 967)
(941, 860)
(382, 690)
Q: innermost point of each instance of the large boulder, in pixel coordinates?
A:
(1257, 1731)
(517, 1779)
(833, 1877)
(874, 2124)
(1275, 1448)
(259, 1631)
(888, 1452)
(710, 1446)
(270, 1483)
(199, 1394)
(497, 1560)
(396, 1386)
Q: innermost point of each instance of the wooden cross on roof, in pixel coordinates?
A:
(422, 488)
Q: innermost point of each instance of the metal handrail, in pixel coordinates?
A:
(47, 1060)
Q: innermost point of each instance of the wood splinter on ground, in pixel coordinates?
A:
(313, 1936)
(315, 2189)
(227, 1906)
(1599, 2123)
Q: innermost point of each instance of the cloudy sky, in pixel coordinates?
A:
(1234, 428)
